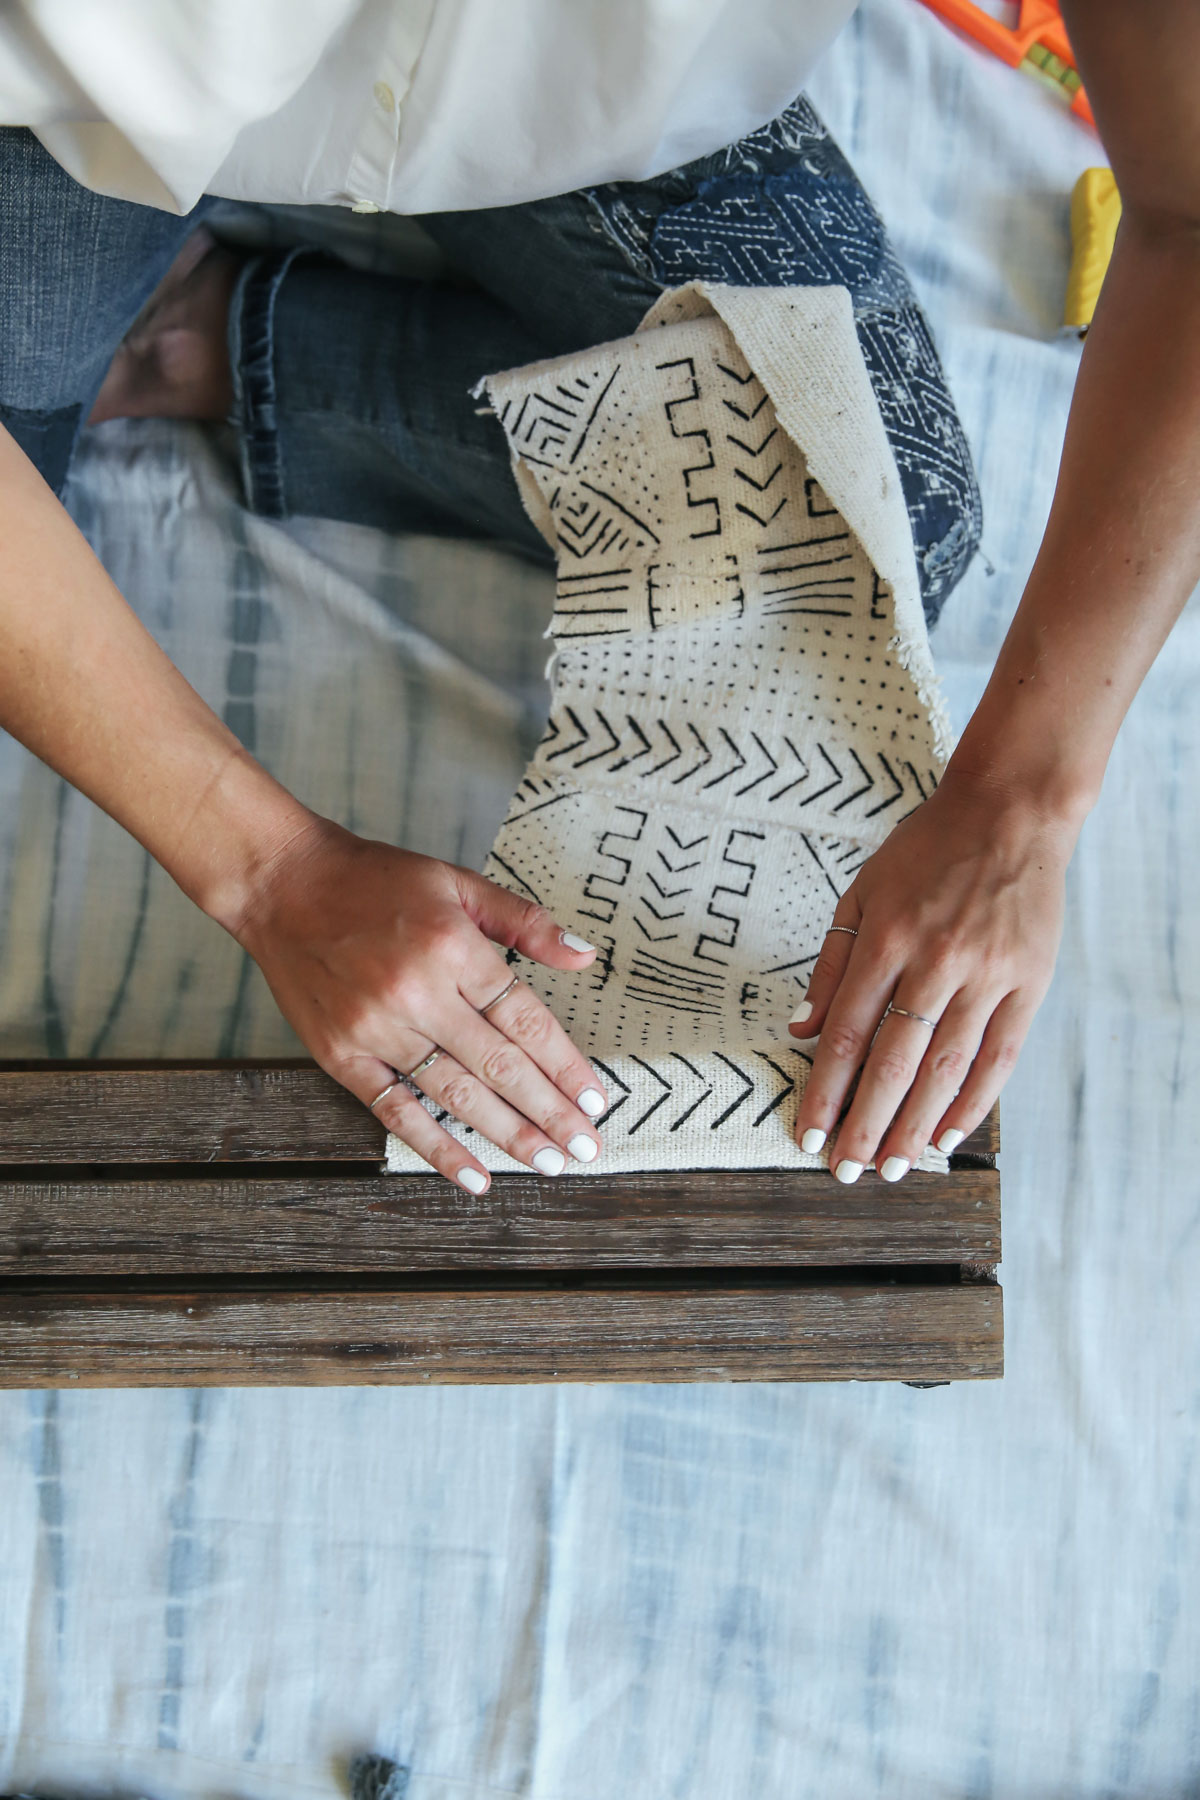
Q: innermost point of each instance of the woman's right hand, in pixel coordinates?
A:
(377, 956)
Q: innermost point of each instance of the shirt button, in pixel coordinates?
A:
(384, 96)
(365, 206)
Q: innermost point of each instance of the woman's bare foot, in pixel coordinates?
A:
(173, 363)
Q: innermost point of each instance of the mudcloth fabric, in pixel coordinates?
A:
(783, 207)
(744, 702)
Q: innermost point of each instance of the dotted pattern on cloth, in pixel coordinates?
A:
(731, 735)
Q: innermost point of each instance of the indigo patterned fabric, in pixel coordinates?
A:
(784, 208)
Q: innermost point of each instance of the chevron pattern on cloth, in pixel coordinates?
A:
(743, 703)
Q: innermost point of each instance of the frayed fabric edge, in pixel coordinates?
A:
(798, 331)
(802, 344)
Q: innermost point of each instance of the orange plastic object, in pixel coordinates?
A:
(1038, 39)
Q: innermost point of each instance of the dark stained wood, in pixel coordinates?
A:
(318, 1222)
(206, 1112)
(984, 1140)
(190, 1114)
(189, 1224)
(672, 1333)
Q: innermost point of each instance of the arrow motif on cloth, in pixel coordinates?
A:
(650, 1111)
(755, 450)
(709, 1089)
(716, 1124)
(638, 749)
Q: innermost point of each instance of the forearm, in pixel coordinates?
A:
(1122, 548)
(1121, 552)
(85, 687)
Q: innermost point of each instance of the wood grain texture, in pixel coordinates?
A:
(675, 1333)
(218, 1113)
(207, 1259)
(332, 1223)
(207, 1112)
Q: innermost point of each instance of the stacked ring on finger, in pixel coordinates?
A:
(488, 1076)
(397, 1081)
(904, 1013)
(505, 991)
(424, 1063)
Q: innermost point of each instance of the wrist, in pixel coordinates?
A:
(1024, 797)
(234, 840)
(1035, 744)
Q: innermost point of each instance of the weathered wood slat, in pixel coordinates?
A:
(191, 1114)
(323, 1223)
(846, 1333)
(199, 1262)
(217, 1112)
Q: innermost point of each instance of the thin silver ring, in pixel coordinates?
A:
(848, 929)
(905, 1014)
(423, 1064)
(399, 1082)
(503, 994)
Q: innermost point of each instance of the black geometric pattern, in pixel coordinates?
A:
(849, 789)
(729, 723)
(736, 724)
(784, 208)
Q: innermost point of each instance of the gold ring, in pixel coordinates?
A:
(905, 1014)
(386, 1091)
(423, 1064)
(504, 992)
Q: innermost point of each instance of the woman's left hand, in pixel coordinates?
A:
(958, 919)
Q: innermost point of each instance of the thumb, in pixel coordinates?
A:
(520, 923)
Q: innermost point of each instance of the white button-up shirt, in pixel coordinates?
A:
(404, 106)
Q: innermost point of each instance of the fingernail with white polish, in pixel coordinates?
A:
(848, 1170)
(574, 942)
(951, 1139)
(812, 1140)
(474, 1179)
(549, 1161)
(592, 1102)
(802, 1012)
(894, 1168)
(583, 1148)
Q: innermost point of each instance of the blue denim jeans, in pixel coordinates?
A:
(352, 390)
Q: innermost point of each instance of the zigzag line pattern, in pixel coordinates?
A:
(784, 208)
(622, 570)
(699, 447)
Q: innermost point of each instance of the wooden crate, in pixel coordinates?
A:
(164, 1224)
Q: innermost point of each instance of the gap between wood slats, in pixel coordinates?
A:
(486, 1281)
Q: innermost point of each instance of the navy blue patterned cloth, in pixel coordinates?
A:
(784, 207)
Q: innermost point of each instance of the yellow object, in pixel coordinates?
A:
(1095, 215)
